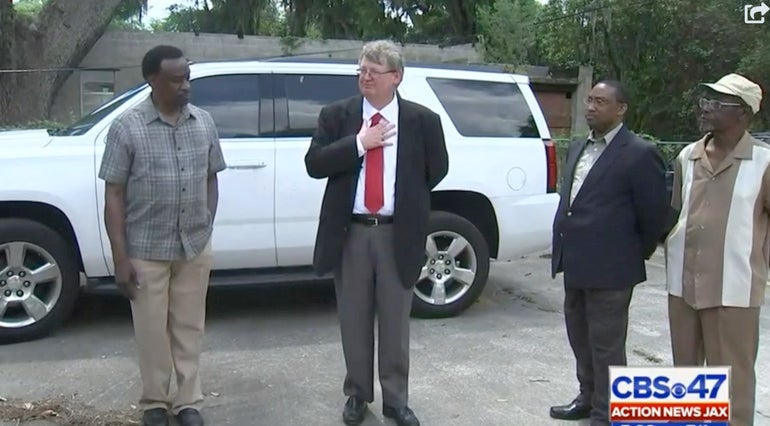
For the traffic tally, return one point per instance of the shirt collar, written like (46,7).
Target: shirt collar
(743,150)
(389,113)
(609,136)
(151,113)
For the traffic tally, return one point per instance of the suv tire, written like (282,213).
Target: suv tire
(26,247)
(467,263)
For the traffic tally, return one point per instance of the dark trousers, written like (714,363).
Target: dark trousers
(597,326)
(367,282)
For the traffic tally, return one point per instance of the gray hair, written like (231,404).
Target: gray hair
(383,52)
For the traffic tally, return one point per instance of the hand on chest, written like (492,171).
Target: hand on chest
(389,127)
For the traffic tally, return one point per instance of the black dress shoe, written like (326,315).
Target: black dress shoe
(403,416)
(354,412)
(155,417)
(189,417)
(575,410)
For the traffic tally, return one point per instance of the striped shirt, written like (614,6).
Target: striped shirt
(165,168)
(717,252)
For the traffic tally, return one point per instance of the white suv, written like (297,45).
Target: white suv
(497,201)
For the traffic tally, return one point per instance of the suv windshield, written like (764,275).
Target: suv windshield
(85,123)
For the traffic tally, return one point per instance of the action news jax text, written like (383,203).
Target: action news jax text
(695,396)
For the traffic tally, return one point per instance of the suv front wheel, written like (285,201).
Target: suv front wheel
(456,267)
(38,280)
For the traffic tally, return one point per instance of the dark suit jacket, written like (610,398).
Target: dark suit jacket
(617,219)
(421,163)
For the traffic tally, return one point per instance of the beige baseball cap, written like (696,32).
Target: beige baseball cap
(740,86)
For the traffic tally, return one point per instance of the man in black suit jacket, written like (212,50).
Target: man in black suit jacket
(382,156)
(610,218)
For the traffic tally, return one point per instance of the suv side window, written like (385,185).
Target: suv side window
(306,94)
(233,102)
(485,108)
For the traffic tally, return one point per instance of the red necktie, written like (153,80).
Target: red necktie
(373,196)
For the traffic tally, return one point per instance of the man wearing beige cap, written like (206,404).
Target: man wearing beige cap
(716,254)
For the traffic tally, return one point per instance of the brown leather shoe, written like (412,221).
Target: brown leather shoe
(575,410)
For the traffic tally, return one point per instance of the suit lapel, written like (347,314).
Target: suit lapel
(611,152)
(404,141)
(604,162)
(354,117)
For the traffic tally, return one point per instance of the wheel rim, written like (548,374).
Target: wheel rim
(30,284)
(450,268)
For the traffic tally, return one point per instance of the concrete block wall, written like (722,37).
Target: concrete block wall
(123,52)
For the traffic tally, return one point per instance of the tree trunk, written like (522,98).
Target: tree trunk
(60,38)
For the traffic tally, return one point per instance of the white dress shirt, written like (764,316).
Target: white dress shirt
(389,114)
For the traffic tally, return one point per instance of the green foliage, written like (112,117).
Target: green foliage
(247,17)
(131,10)
(42,124)
(28,8)
(354,19)
(669,151)
(435,21)
(660,49)
(505,29)
(756,66)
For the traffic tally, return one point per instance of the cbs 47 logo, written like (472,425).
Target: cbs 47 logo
(705,386)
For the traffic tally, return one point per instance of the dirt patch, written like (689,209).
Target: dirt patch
(63,411)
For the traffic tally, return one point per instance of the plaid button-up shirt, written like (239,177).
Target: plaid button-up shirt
(165,168)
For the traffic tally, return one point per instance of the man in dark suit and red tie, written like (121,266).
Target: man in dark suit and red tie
(612,213)
(381,156)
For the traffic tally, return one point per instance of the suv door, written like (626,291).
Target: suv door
(241,106)
(299,99)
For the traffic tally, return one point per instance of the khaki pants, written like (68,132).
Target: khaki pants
(721,336)
(169,313)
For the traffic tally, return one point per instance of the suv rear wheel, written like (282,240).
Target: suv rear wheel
(456,267)
(38,280)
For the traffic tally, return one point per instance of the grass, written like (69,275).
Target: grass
(64,411)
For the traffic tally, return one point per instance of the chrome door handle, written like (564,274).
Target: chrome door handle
(248,166)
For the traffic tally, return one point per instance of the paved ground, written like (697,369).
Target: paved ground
(274,357)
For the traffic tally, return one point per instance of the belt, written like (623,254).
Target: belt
(372,220)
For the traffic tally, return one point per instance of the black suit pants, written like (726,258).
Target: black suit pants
(597,325)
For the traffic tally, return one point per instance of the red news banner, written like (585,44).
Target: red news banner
(672,411)
(669,395)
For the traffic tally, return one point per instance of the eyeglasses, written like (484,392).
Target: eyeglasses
(364,71)
(600,102)
(715,105)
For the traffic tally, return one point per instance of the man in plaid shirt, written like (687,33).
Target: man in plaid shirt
(160,166)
